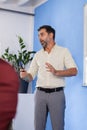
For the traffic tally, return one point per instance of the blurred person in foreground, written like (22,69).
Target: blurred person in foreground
(9,84)
(51,65)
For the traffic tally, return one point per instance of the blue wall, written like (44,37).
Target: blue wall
(66,16)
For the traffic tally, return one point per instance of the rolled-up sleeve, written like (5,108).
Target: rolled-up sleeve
(68,60)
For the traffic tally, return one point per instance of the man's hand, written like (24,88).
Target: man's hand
(50,68)
(26,76)
(23,73)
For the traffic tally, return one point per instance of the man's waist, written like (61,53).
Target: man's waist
(50,90)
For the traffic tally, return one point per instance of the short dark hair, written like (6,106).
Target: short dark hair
(49,29)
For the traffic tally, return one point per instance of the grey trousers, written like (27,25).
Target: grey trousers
(54,103)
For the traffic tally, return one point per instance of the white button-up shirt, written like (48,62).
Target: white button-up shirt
(59,57)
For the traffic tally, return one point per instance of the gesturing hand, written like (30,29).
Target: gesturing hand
(50,68)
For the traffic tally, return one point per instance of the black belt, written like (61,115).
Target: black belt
(50,90)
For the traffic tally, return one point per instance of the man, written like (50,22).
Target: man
(9,85)
(51,64)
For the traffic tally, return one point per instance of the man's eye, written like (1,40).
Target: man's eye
(42,34)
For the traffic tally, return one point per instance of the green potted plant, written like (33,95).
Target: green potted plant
(21,59)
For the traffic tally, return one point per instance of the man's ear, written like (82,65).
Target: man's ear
(51,35)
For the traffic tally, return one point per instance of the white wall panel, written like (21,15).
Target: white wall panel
(13,24)
(24,119)
(85,47)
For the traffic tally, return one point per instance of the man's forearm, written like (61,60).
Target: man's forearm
(66,73)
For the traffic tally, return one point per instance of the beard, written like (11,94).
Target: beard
(44,44)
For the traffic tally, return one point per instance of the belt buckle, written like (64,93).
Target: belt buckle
(55,89)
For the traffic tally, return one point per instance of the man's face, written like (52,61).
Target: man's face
(44,37)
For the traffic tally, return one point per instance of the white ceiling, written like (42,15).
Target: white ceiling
(26,6)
